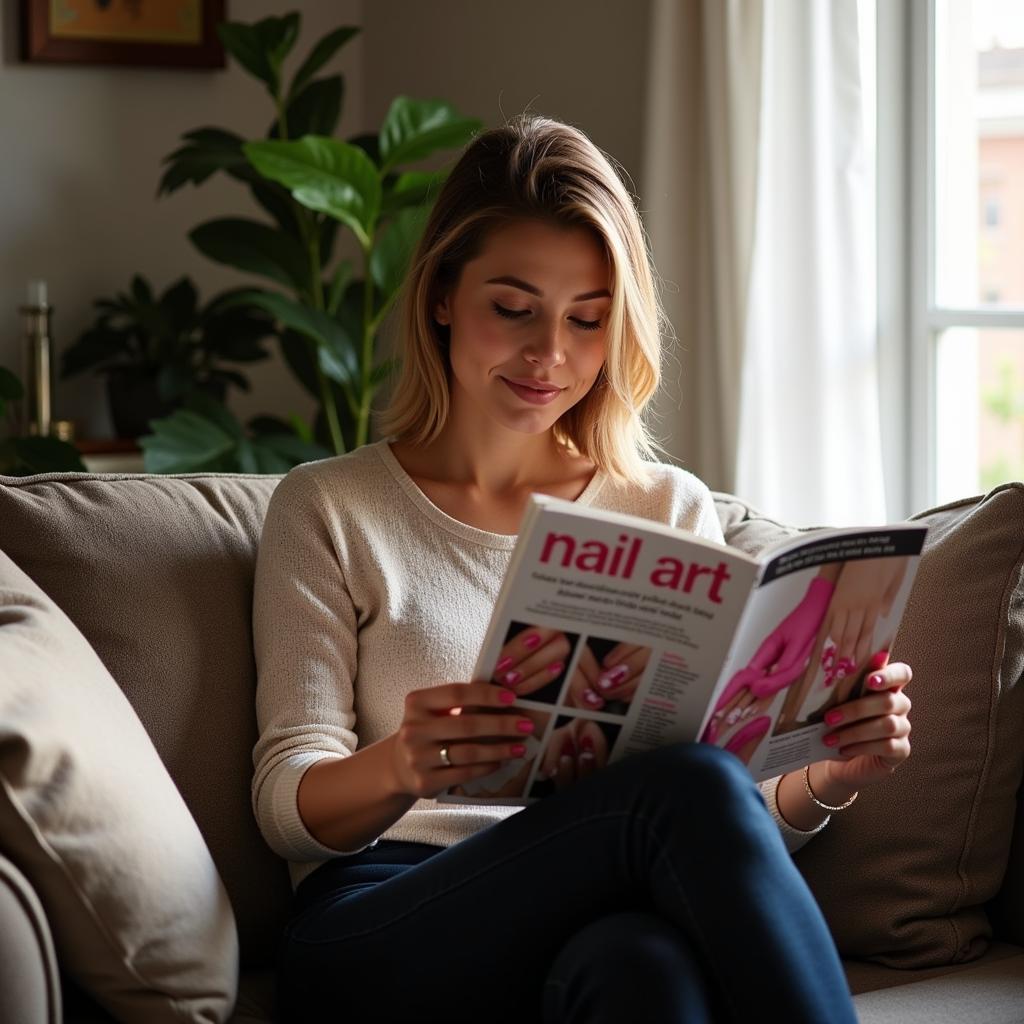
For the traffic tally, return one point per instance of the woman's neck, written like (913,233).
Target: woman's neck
(492,461)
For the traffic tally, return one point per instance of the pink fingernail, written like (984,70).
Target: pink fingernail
(613,676)
(507,697)
(518,749)
(511,678)
(592,698)
(879,659)
(555,667)
(503,664)
(830,740)
(876,682)
(530,641)
(833,717)
(525,725)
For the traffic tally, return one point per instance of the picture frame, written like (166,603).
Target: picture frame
(137,33)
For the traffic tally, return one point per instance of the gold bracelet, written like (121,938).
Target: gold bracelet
(815,800)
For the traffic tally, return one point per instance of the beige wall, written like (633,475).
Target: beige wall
(82,146)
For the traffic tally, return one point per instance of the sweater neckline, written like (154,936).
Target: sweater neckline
(502,541)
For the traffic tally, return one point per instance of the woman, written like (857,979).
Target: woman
(658,888)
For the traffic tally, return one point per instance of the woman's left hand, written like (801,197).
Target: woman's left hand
(872,733)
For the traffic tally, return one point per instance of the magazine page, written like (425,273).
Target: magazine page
(612,630)
(821,619)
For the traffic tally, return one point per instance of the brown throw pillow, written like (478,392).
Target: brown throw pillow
(903,876)
(89,814)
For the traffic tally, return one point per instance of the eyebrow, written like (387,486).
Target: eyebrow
(515,282)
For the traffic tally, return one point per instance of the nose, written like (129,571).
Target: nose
(546,348)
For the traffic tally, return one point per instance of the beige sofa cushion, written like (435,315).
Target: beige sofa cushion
(156,572)
(904,874)
(89,814)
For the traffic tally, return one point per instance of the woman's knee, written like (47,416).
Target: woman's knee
(694,770)
(618,962)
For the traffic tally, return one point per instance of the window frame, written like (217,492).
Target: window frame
(907,232)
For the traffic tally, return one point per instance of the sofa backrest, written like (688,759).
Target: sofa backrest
(156,572)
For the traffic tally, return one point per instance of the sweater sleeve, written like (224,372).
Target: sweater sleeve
(304,641)
(794,838)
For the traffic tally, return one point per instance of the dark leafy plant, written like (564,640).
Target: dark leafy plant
(23,456)
(173,340)
(308,183)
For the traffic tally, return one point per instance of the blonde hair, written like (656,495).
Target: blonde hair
(536,168)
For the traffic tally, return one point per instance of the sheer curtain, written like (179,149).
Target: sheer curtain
(775,311)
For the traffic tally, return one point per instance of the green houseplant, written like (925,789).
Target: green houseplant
(155,351)
(25,455)
(309,184)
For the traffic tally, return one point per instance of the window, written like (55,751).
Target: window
(967,254)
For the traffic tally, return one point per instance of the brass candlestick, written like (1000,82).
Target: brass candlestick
(37,363)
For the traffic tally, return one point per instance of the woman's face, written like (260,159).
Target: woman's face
(528,324)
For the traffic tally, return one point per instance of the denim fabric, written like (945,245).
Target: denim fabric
(658,889)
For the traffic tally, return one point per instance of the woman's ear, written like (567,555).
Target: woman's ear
(441,315)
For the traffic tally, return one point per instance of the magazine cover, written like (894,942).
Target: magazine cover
(619,634)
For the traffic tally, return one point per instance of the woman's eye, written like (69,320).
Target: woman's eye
(516,314)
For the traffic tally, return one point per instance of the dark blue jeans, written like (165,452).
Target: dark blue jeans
(657,889)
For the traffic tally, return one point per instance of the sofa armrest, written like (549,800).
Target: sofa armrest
(29,979)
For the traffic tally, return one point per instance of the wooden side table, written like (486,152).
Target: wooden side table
(110,454)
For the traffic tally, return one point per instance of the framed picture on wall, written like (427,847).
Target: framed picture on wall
(141,33)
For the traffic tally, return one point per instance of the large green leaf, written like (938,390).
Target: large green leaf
(185,442)
(208,150)
(319,56)
(392,249)
(315,111)
(369,143)
(413,129)
(10,386)
(48,455)
(245,44)
(299,353)
(254,247)
(277,453)
(278,36)
(178,305)
(261,47)
(413,188)
(94,348)
(324,174)
(336,354)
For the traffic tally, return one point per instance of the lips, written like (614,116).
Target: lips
(531,382)
(537,392)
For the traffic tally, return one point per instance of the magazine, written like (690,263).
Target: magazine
(620,634)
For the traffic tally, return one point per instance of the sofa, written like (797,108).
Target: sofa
(135,885)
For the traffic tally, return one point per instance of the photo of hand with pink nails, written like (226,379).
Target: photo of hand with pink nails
(576,748)
(533,660)
(864,593)
(606,676)
(781,658)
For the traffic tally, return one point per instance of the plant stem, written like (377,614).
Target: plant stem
(366,364)
(311,238)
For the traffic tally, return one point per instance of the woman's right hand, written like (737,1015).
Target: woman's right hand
(472,720)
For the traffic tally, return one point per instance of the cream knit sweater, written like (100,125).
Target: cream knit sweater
(365,590)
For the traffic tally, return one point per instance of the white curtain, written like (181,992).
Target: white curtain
(700,189)
(776,319)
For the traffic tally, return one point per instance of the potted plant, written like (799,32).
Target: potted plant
(308,183)
(23,456)
(156,351)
